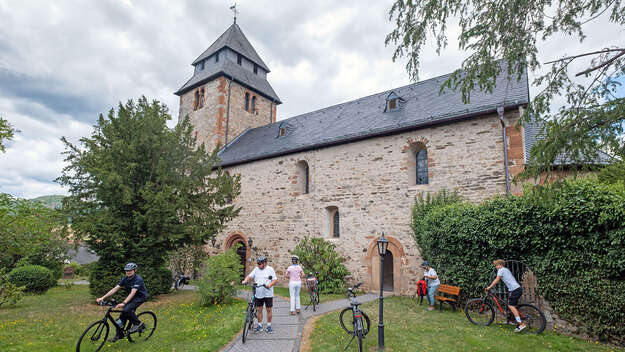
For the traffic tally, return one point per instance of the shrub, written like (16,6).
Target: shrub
(318,255)
(35,278)
(9,292)
(571,234)
(221,274)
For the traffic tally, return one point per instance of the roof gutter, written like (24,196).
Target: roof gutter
(361,137)
(505,149)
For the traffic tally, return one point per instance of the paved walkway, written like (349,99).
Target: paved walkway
(288,328)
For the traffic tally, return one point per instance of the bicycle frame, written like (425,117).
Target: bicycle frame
(503,307)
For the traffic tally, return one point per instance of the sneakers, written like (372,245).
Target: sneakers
(269,330)
(258,329)
(136,327)
(431,308)
(520,327)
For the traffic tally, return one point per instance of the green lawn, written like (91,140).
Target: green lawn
(305,298)
(410,327)
(55,321)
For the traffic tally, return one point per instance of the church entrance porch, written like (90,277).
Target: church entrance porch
(395,271)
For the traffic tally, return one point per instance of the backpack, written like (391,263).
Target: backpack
(422,288)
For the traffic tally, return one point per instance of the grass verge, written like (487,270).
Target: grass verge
(408,326)
(305,298)
(54,322)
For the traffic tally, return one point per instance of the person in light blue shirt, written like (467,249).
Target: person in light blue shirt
(514,290)
(433,282)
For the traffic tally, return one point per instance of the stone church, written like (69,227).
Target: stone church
(350,171)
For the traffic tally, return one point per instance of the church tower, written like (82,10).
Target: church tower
(228,92)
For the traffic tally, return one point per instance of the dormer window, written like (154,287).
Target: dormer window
(201,65)
(393,102)
(282,131)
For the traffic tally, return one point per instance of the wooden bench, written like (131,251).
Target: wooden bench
(451,295)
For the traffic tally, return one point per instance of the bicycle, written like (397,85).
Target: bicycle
(480,311)
(360,321)
(250,313)
(181,280)
(94,337)
(313,291)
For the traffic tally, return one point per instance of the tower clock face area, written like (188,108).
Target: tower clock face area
(228,92)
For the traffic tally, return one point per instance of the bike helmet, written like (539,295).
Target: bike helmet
(130,266)
(261,259)
(425,263)
(294,258)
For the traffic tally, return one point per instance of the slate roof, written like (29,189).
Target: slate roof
(237,73)
(365,118)
(233,38)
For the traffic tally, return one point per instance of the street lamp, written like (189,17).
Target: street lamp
(382,246)
(249,242)
(213,240)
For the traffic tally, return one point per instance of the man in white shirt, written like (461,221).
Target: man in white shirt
(433,282)
(514,290)
(264,277)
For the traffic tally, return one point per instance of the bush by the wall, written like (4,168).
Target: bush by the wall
(572,234)
(220,277)
(36,278)
(318,255)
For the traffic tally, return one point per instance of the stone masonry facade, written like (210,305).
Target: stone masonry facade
(370,182)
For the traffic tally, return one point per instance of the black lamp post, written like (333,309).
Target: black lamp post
(213,241)
(249,242)
(382,246)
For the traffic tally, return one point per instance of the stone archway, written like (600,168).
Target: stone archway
(244,251)
(399,270)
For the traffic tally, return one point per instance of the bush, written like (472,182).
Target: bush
(35,278)
(9,292)
(86,269)
(571,234)
(318,255)
(220,276)
(103,277)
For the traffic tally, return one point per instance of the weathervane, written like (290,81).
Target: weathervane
(234,9)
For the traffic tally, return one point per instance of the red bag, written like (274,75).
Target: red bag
(422,288)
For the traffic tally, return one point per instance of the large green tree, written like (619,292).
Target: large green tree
(592,118)
(6,133)
(139,190)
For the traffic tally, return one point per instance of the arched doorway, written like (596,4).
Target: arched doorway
(239,241)
(389,281)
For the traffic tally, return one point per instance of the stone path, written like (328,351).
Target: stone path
(288,328)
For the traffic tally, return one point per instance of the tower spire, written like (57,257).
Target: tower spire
(234,9)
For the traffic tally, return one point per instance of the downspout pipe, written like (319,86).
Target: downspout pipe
(228,112)
(505,149)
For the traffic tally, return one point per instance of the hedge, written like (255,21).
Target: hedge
(572,234)
(35,278)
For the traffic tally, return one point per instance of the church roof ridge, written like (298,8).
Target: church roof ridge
(235,39)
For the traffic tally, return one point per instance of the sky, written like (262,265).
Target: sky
(62,63)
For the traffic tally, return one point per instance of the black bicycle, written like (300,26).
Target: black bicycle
(181,280)
(250,313)
(480,311)
(95,335)
(313,291)
(360,322)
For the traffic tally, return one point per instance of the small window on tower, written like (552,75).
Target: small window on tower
(247,101)
(239,59)
(201,65)
(253,104)
(255,69)
(217,57)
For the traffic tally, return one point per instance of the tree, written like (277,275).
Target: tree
(6,133)
(31,234)
(139,190)
(591,121)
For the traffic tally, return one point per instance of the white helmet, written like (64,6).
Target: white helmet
(294,258)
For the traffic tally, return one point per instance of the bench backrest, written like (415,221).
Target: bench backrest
(451,290)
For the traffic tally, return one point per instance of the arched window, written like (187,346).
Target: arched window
(303,177)
(247,101)
(422,167)
(253,104)
(336,233)
(201,103)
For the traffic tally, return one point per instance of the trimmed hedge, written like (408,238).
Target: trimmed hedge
(572,234)
(36,278)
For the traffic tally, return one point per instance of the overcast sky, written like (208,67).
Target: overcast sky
(64,62)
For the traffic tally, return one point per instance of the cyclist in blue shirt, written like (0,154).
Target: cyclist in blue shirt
(137,294)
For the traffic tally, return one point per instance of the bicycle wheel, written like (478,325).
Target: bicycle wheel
(247,324)
(347,321)
(93,338)
(149,320)
(313,301)
(533,318)
(179,284)
(479,312)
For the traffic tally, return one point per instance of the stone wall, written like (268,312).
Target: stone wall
(211,120)
(369,182)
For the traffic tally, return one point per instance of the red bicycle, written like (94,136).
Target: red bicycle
(480,311)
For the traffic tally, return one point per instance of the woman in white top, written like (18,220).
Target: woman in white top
(433,282)
(295,273)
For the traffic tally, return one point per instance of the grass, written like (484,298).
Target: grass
(410,327)
(55,321)
(305,298)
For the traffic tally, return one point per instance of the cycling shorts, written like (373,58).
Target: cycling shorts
(267,302)
(513,299)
